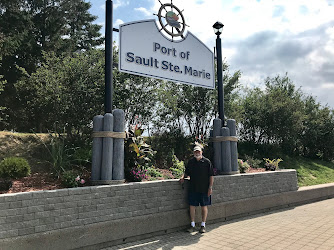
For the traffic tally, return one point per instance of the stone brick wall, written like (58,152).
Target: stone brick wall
(243,186)
(24,214)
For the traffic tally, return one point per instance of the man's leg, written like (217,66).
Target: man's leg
(204,216)
(204,213)
(192,213)
(192,218)
(193,202)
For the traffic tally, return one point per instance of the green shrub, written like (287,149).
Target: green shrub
(252,162)
(58,152)
(271,164)
(71,179)
(68,179)
(177,168)
(153,172)
(14,167)
(169,143)
(243,166)
(82,156)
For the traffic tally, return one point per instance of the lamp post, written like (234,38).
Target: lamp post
(218,28)
(108,58)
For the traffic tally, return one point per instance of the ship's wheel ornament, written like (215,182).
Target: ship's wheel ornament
(171,19)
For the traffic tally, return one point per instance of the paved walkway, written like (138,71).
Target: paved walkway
(305,227)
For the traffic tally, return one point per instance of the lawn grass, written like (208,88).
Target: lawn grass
(310,171)
(26,145)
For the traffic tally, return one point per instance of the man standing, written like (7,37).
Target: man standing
(200,171)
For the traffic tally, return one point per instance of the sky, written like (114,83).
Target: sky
(261,38)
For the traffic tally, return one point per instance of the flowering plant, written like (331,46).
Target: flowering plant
(138,154)
(243,166)
(137,175)
(79,180)
(71,179)
(272,164)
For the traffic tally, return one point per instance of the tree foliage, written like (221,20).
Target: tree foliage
(273,115)
(194,107)
(317,136)
(2,84)
(29,28)
(69,90)
(284,117)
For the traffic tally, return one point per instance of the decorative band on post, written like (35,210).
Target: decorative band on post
(118,135)
(224,138)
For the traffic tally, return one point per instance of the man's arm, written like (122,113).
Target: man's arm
(182,177)
(185,174)
(210,185)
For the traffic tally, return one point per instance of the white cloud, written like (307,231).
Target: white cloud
(330,43)
(118,22)
(329,86)
(120,3)
(144,11)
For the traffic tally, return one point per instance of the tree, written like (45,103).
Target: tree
(31,27)
(285,105)
(2,84)
(283,117)
(253,128)
(193,108)
(65,90)
(69,90)
(317,137)
(273,116)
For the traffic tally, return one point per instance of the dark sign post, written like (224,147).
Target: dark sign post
(108,58)
(218,28)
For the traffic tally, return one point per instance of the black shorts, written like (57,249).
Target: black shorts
(196,199)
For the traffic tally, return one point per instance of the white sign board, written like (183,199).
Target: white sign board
(147,52)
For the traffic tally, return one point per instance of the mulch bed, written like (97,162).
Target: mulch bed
(255,170)
(34,182)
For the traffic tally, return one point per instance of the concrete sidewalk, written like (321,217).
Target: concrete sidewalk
(309,226)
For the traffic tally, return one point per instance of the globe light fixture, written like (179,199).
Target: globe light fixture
(218,28)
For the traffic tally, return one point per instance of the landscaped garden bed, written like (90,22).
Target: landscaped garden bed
(43,176)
